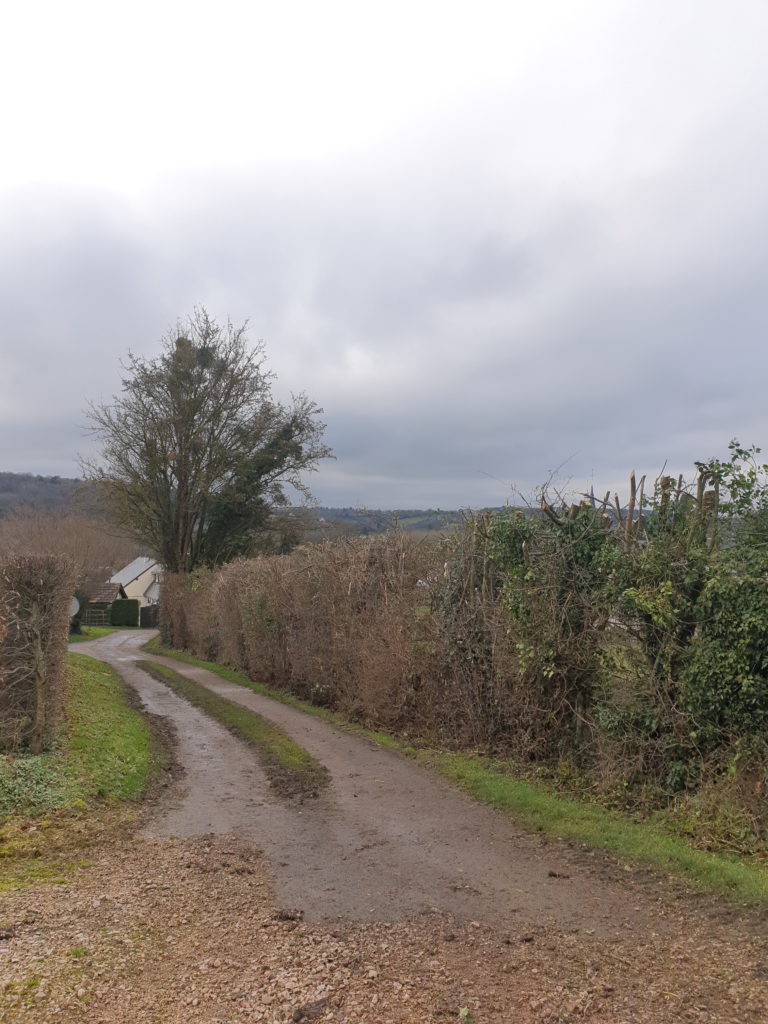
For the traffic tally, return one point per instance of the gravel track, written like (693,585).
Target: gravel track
(187,931)
(392,899)
(385,840)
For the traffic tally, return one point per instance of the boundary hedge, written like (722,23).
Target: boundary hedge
(34,623)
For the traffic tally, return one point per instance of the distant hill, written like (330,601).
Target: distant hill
(56,493)
(339,521)
(51,493)
(367,521)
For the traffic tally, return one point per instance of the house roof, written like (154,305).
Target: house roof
(106,593)
(133,570)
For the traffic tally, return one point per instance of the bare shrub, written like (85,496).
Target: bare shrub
(353,639)
(619,646)
(444,638)
(334,623)
(175,598)
(95,549)
(34,596)
(395,631)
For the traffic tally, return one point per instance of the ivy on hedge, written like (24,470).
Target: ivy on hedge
(725,686)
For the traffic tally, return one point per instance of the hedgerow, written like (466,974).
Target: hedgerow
(617,646)
(35,591)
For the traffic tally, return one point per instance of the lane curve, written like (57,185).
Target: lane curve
(386,840)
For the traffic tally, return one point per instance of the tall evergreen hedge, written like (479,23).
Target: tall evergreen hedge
(125,612)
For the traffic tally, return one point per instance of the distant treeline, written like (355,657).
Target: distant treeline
(65,494)
(48,493)
(364,521)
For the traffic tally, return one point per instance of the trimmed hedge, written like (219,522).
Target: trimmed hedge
(125,612)
(35,591)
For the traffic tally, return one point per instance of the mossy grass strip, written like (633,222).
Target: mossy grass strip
(540,809)
(232,675)
(103,751)
(108,743)
(291,770)
(54,804)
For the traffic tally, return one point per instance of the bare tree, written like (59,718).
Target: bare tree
(196,452)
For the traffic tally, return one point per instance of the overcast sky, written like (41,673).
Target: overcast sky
(490,239)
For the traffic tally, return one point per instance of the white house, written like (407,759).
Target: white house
(141,580)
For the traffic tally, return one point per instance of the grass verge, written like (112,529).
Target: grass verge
(290,769)
(104,758)
(95,632)
(540,809)
(232,675)
(90,633)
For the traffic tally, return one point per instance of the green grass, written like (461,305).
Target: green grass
(90,633)
(540,809)
(232,675)
(103,749)
(95,632)
(108,743)
(290,768)
(104,756)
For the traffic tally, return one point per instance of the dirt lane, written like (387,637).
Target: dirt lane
(178,927)
(222,786)
(186,931)
(386,840)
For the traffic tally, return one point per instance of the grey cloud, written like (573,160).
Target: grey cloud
(463,330)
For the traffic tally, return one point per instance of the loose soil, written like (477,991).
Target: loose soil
(389,898)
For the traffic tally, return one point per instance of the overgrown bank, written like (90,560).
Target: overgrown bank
(104,755)
(539,807)
(616,648)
